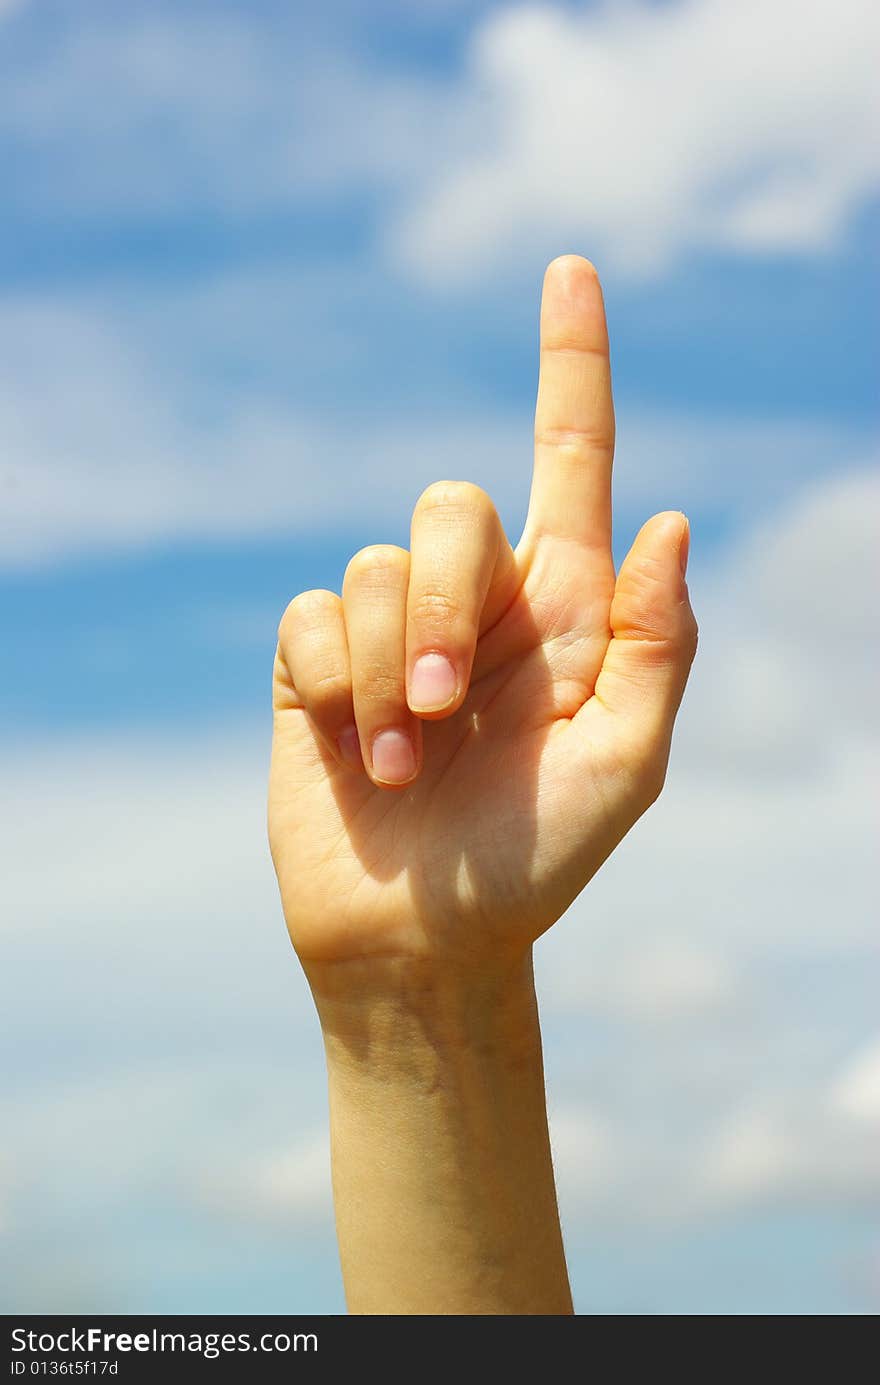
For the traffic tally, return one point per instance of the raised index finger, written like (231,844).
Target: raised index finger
(574,416)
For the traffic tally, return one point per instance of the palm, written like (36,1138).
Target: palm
(491,836)
(559,743)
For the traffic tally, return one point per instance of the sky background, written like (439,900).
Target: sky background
(267,270)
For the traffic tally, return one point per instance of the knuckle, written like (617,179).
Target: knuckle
(694,636)
(328,691)
(649,772)
(453,495)
(376,562)
(684,641)
(307,609)
(380,685)
(575,443)
(433,608)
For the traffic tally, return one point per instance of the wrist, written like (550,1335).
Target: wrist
(398,1015)
(442,1175)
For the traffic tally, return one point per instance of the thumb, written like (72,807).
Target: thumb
(654,633)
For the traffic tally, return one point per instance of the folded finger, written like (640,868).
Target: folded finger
(313,647)
(462,570)
(374,603)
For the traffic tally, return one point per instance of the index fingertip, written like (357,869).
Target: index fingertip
(575,266)
(572,305)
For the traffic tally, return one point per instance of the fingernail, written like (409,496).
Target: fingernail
(350,747)
(684,546)
(433,684)
(394,760)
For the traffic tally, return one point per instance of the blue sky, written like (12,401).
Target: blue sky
(265,273)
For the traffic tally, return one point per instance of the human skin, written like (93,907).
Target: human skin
(414,884)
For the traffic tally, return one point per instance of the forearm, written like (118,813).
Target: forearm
(442,1176)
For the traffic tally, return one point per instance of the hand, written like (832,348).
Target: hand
(478,796)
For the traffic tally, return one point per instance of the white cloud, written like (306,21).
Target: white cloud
(649,132)
(102,453)
(215,112)
(145,1122)
(856,1092)
(655,981)
(797,1148)
(96,1160)
(99,454)
(292,1183)
(142,809)
(643,132)
(786,1143)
